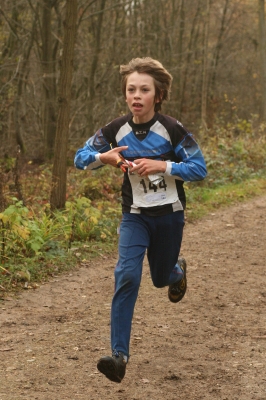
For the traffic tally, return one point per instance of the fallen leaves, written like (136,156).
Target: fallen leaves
(6,349)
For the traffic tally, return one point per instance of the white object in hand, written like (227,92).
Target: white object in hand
(154,179)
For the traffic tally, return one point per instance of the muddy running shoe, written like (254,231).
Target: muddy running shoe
(177,290)
(114,368)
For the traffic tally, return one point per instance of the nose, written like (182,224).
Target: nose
(137,94)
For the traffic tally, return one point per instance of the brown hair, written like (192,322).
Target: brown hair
(162,78)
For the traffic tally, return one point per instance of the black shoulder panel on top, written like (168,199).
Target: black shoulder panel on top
(110,130)
(176,130)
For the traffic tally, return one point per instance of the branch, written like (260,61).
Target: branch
(106,9)
(9,23)
(14,23)
(13,77)
(84,10)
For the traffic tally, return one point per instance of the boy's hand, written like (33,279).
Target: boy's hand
(112,157)
(146,166)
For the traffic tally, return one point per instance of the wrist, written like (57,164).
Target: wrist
(99,157)
(163,166)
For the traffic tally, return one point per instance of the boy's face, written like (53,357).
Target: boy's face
(140,96)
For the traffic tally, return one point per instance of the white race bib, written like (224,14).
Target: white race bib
(146,194)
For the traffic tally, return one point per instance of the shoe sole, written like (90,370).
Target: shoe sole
(182,285)
(108,368)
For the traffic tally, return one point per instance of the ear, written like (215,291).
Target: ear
(158,99)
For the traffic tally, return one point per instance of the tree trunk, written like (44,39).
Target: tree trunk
(188,61)
(94,65)
(49,90)
(204,90)
(21,77)
(218,47)
(180,55)
(213,104)
(59,175)
(262,42)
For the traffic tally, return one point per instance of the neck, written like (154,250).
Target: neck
(142,120)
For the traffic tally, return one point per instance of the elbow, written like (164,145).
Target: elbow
(201,174)
(79,163)
(198,174)
(78,166)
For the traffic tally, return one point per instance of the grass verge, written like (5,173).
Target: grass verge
(203,200)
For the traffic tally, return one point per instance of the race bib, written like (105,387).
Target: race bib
(146,194)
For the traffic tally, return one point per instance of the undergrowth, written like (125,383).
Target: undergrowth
(35,244)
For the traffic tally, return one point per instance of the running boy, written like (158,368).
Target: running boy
(157,154)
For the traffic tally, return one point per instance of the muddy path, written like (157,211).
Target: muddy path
(212,345)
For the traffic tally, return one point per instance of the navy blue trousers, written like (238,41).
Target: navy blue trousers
(161,237)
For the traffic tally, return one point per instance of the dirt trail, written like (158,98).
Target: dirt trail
(212,345)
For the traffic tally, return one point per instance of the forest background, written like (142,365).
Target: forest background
(59,82)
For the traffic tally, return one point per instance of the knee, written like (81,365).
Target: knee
(160,280)
(126,279)
(159,285)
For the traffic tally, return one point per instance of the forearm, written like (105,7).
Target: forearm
(89,155)
(192,166)
(193,170)
(92,158)
(87,158)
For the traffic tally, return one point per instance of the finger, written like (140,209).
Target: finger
(135,168)
(121,148)
(138,161)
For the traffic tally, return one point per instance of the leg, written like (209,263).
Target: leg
(134,239)
(163,252)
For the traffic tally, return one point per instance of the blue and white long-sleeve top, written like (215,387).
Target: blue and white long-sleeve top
(163,138)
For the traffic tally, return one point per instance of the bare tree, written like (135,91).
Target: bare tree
(49,83)
(188,59)
(58,191)
(204,90)
(180,48)
(97,31)
(23,72)
(262,44)
(218,47)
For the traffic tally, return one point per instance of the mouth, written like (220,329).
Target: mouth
(137,105)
